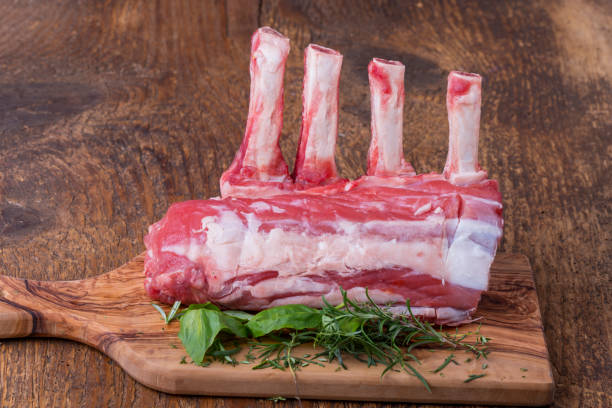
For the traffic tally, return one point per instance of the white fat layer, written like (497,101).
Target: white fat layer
(232,248)
(260,206)
(294,253)
(467,262)
(278,210)
(447,315)
(486,201)
(258,190)
(423,209)
(271,287)
(466,178)
(333,296)
(224,237)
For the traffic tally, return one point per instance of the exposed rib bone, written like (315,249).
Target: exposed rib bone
(386,154)
(463,104)
(259,157)
(315,162)
(278,242)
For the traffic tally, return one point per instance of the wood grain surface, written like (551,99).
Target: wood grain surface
(112,110)
(112,313)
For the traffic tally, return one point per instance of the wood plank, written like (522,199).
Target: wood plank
(112,110)
(112,313)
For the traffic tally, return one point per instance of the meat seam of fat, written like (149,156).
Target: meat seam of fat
(240,250)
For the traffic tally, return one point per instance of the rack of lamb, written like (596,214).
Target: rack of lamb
(275,238)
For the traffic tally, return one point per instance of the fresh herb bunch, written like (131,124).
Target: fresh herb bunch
(365,331)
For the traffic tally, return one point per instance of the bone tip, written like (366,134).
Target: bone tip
(380,69)
(460,83)
(389,64)
(271,32)
(468,76)
(323,51)
(269,35)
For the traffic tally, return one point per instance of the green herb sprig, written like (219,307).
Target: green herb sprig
(473,377)
(366,331)
(172,314)
(448,360)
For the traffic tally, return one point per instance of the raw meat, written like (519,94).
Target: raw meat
(274,239)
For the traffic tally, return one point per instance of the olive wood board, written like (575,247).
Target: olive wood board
(112,313)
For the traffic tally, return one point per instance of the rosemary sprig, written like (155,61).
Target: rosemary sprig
(445,363)
(172,314)
(366,331)
(473,377)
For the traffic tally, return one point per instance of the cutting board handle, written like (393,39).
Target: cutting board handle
(40,308)
(16,320)
(82,310)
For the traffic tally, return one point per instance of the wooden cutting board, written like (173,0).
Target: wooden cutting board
(112,313)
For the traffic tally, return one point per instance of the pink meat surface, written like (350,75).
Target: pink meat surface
(275,239)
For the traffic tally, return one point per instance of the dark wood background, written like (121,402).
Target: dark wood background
(112,110)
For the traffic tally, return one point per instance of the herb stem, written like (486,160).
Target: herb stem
(445,363)
(366,331)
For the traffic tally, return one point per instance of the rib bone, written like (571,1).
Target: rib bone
(259,158)
(463,104)
(386,154)
(385,237)
(315,164)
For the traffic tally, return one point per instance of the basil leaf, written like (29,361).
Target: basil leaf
(200,327)
(350,325)
(344,324)
(206,305)
(284,317)
(239,314)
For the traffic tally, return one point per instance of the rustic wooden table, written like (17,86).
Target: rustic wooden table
(110,111)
